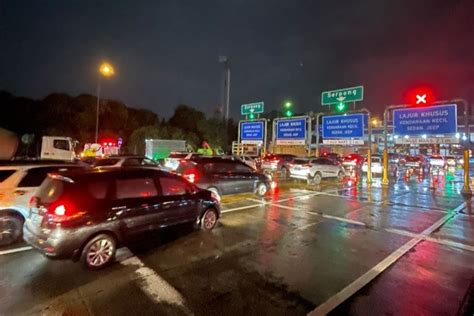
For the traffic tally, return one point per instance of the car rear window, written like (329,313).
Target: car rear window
(35,176)
(300,161)
(5,174)
(106,162)
(50,190)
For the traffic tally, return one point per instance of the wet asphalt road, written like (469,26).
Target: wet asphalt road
(405,250)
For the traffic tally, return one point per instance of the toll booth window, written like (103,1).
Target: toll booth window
(61,144)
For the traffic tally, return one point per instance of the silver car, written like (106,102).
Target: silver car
(324,168)
(18,183)
(299,168)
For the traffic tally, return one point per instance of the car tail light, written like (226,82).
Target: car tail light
(191,175)
(62,212)
(32,202)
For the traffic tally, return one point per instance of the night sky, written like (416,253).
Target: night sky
(166,52)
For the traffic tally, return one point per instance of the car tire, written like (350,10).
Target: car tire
(261,190)
(314,180)
(209,219)
(99,252)
(11,229)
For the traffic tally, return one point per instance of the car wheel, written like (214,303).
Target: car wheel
(11,228)
(209,219)
(261,190)
(314,180)
(99,252)
(284,173)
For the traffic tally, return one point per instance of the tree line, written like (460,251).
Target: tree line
(60,114)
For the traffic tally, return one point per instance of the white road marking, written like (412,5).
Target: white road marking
(342,219)
(367,277)
(445,242)
(337,218)
(154,286)
(307,226)
(14,250)
(240,208)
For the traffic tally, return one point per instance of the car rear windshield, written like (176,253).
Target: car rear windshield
(50,190)
(106,162)
(300,161)
(5,174)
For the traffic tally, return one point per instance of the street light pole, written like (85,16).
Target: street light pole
(106,70)
(97,112)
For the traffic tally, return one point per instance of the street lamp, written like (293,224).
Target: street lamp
(375,122)
(105,70)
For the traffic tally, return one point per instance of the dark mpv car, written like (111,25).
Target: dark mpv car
(224,176)
(85,215)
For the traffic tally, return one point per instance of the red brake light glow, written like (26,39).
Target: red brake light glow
(60,210)
(191,175)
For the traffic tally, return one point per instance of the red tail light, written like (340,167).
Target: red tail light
(191,175)
(62,212)
(32,202)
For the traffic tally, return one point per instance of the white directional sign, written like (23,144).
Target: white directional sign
(426,140)
(343,141)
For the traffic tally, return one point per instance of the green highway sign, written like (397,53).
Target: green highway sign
(342,95)
(251,108)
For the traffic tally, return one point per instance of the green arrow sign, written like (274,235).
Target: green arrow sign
(254,108)
(342,95)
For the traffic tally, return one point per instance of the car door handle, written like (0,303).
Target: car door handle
(117,208)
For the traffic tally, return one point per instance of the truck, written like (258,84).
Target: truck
(158,149)
(46,148)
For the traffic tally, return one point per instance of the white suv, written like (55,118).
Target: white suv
(324,168)
(18,184)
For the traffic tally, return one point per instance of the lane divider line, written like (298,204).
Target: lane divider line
(154,286)
(10,251)
(367,277)
(304,227)
(445,242)
(240,208)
